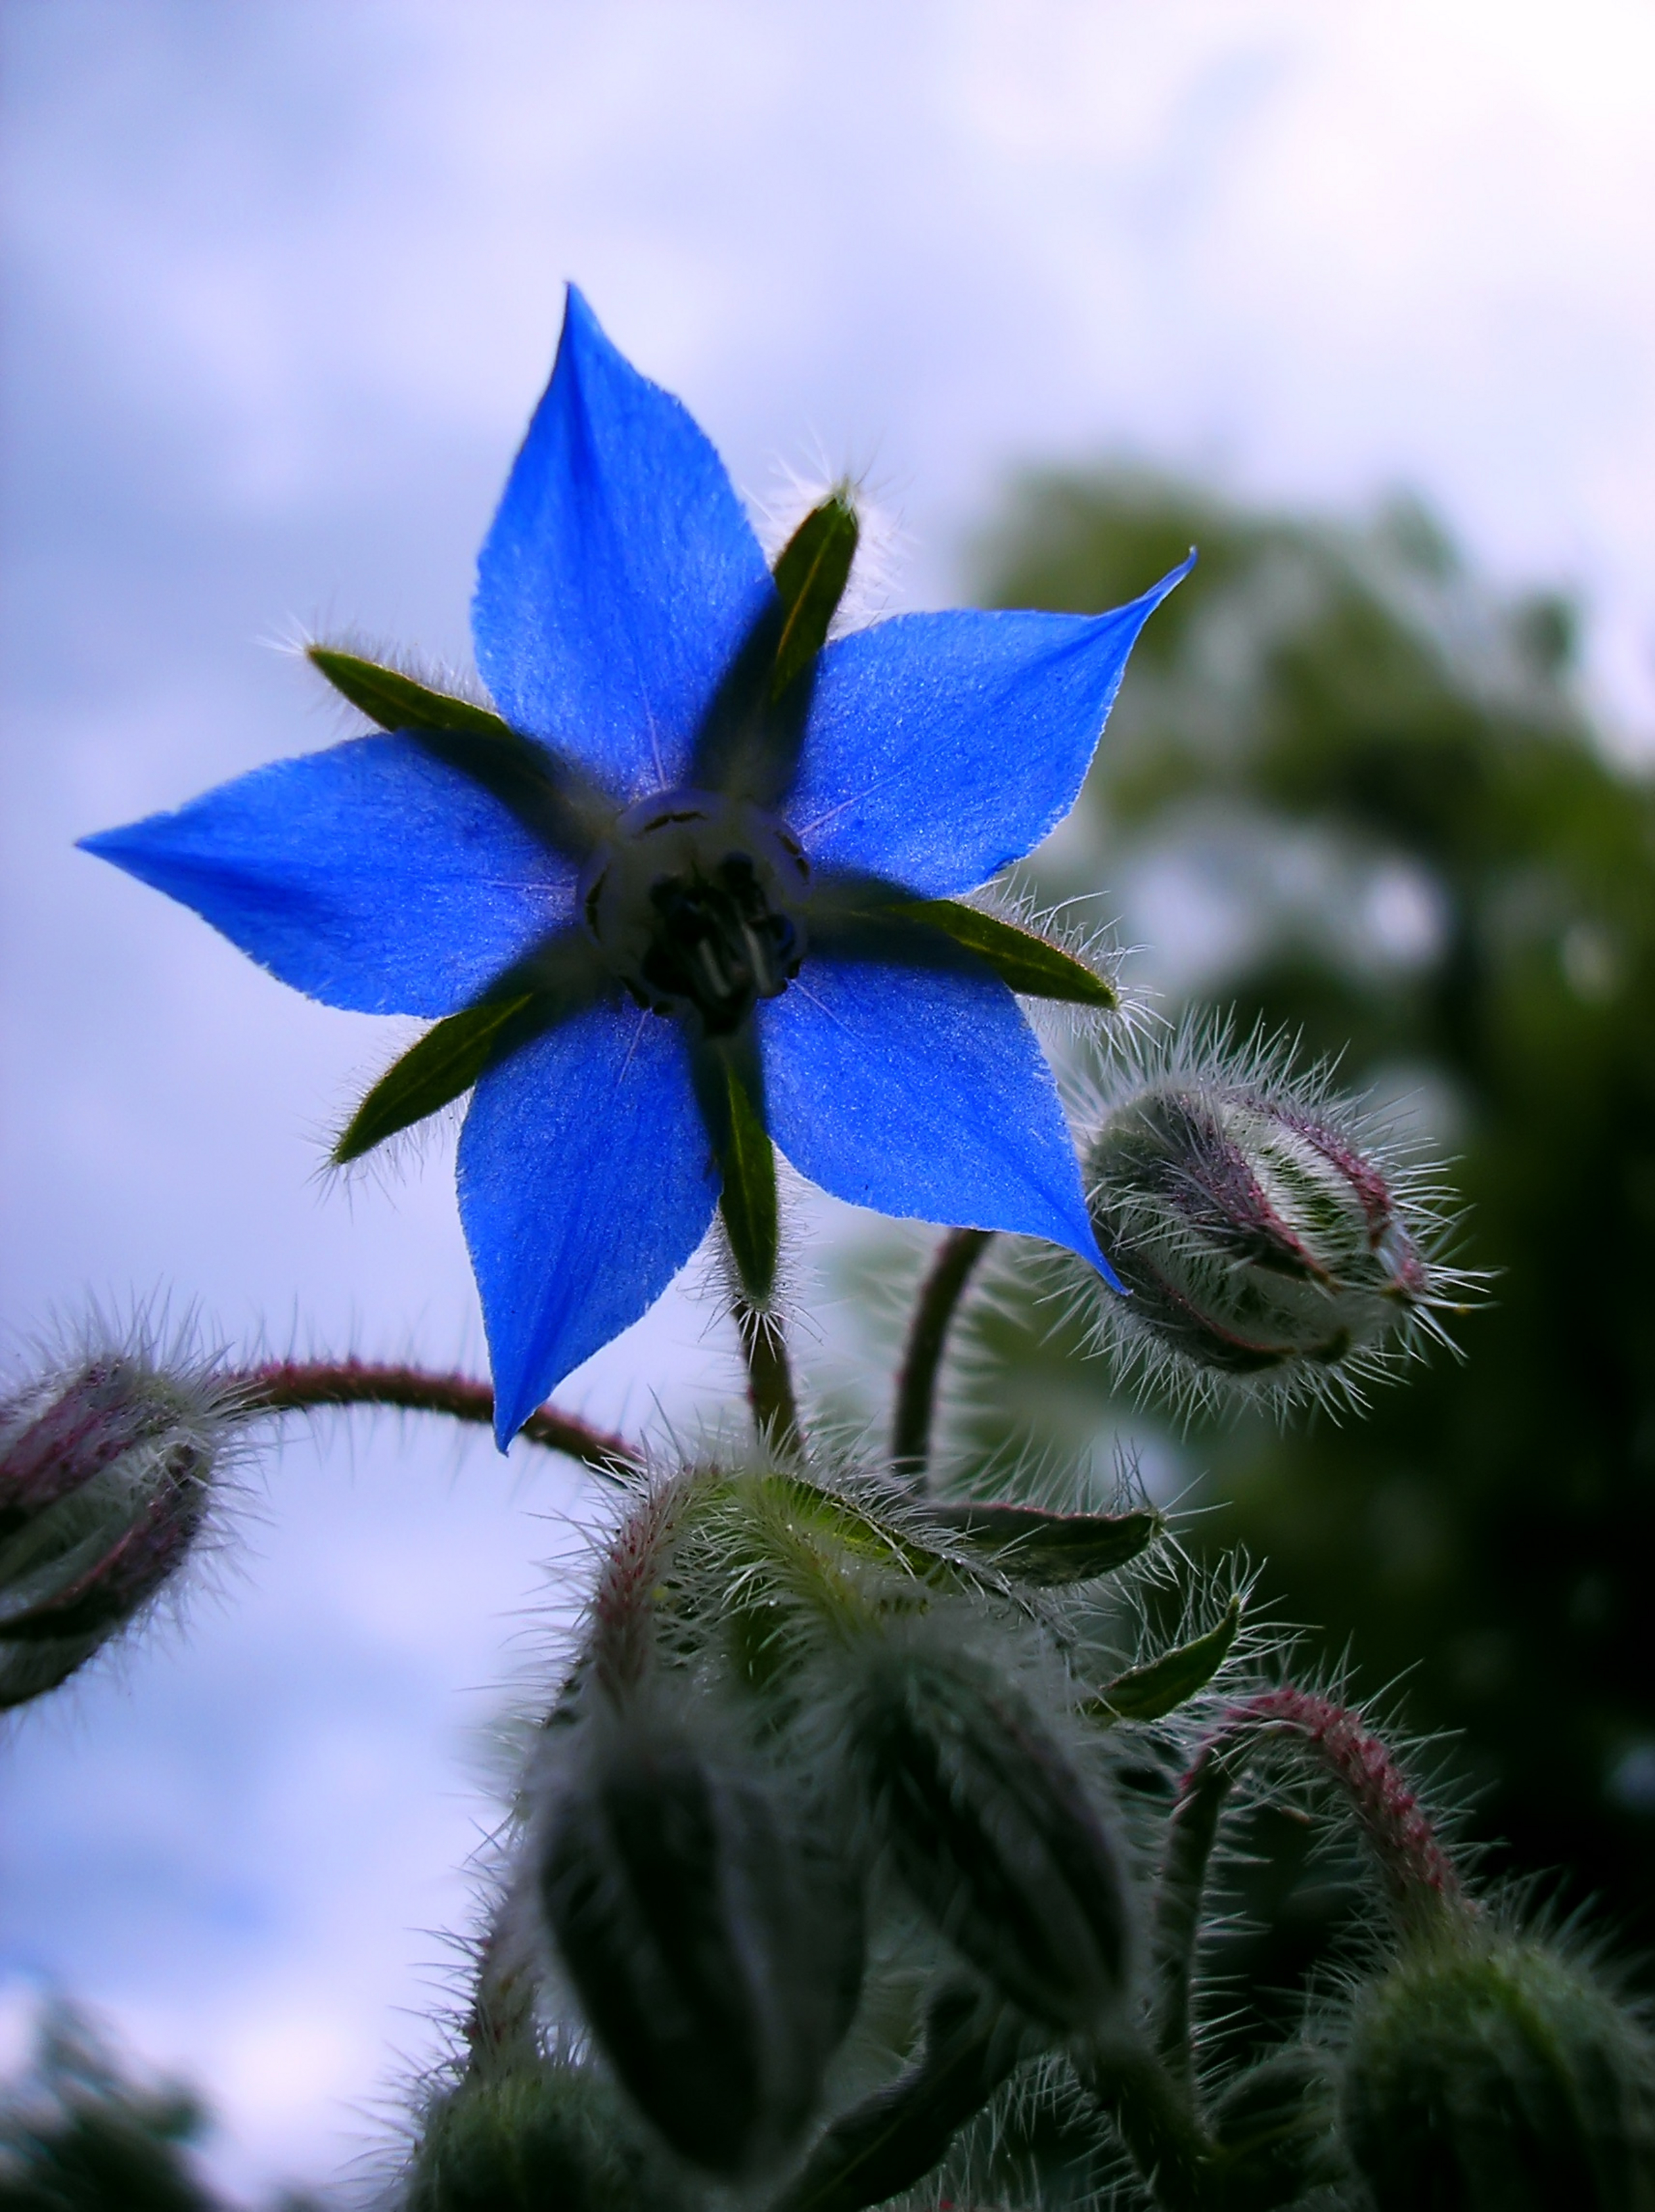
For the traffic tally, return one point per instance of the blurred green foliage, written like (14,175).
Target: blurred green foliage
(1351,790)
(79,2135)
(81,2132)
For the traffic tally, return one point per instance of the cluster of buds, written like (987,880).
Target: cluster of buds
(785,1756)
(107,1471)
(1274,1245)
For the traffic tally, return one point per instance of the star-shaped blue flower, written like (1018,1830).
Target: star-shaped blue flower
(694,883)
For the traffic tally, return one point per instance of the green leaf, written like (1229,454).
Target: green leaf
(747,1159)
(1027,963)
(1147,1693)
(811,571)
(446,1060)
(1050,1548)
(397,701)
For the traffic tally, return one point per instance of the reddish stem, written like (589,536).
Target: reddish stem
(283,1386)
(1412,1865)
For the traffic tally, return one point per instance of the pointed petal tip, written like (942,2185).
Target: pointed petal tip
(1151,599)
(508,1420)
(124,848)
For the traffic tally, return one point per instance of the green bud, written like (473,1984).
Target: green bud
(994,1831)
(1268,1241)
(1490,2074)
(715,1951)
(533,2138)
(105,1479)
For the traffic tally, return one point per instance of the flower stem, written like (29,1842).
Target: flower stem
(1421,1884)
(1157,2121)
(769,1378)
(284,1385)
(501,2014)
(1191,1835)
(927,1335)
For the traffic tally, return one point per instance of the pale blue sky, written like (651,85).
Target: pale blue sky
(282,283)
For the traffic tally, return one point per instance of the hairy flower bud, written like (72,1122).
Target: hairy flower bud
(1490,2074)
(717,1951)
(994,1832)
(528,2137)
(1268,1240)
(105,1479)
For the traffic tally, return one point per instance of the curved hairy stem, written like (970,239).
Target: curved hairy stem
(1422,1885)
(285,1386)
(927,1335)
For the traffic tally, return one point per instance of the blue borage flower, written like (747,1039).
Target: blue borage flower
(689,806)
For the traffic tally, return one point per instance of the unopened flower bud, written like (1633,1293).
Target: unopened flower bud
(1491,2075)
(105,1479)
(717,1951)
(1268,1240)
(994,1831)
(529,2137)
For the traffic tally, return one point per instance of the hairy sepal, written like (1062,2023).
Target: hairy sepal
(1149,1692)
(1030,964)
(811,573)
(1050,1549)
(558,979)
(751,1217)
(397,701)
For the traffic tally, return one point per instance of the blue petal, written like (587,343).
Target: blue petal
(620,575)
(941,747)
(925,1095)
(586,1181)
(370,876)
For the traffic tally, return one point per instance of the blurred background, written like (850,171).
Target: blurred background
(1357,300)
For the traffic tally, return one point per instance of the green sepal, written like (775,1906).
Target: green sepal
(746,1159)
(811,573)
(1028,963)
(1049,1548)
(397,701)
(548,796)
(446,1060)
(1148,1694)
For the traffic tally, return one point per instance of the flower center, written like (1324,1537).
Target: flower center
(697,904)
